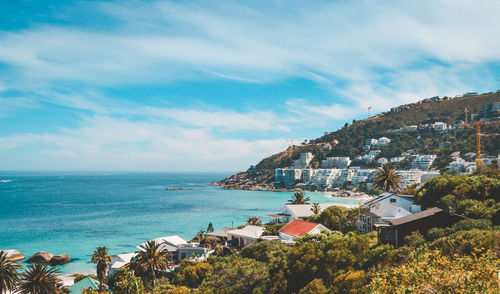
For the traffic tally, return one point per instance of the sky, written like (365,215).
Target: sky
(219,85)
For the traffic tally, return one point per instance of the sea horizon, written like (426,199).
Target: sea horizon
(75,213)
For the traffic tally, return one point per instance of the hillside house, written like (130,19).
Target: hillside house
(239,238)
(403,201)
(299,228)
(291,212)
(178,248)
(394,231)
(367,219)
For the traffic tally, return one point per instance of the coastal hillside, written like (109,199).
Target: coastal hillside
(350,139)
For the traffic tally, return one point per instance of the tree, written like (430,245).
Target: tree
(254,221)
(298,198)
(125,282)
(315,208)
(39,279)
(153,259)
(236,274)
(210,228)
(387,178)
(101,258)
(9,277)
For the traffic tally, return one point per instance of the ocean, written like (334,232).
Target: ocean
(75,212)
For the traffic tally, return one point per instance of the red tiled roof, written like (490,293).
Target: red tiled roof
(298,228)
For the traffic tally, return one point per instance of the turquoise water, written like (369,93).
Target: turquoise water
(76,212)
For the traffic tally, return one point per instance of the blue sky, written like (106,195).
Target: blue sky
(218,85)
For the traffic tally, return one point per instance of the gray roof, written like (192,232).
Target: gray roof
(220,233)
(385,196)
(416,216)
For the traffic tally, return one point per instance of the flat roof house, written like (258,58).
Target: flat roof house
(299,228)
(240,238)
(178,248)
(296,211)
(394,231)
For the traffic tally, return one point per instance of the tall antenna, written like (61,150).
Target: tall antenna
(369,111)
(466,111)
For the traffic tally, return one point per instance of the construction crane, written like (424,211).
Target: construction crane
(478,125)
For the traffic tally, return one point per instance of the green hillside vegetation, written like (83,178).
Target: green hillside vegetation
(348,140)
(462,258)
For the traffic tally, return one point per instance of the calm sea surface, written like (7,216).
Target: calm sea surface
(76,212)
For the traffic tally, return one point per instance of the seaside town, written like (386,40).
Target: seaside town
(385,218)
(249,147)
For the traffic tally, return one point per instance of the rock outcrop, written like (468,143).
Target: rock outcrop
(41,257)
(13,254)
(59,259)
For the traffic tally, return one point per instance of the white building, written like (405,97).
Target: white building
(307,174)
(404,201)
(178,248)
(371,141)
(287,176)
(385,212)
(240,238)
(297,211)
(368,158)
(337,162)
(440,126)
(374,152)
(119,261)
(409,128)
(410,177)
(397,159)
(325,177)
(361,176)
(460,166)
(345,175)
(422,162)
(303,161)
(383,141)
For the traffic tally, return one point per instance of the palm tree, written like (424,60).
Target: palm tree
(102,259)
(387,178)
(39,279)
(315,208)
(153,259)
(9,278)
(298,198)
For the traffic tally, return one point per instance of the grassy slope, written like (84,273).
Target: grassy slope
(352,137)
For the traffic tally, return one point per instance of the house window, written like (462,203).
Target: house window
(393,200)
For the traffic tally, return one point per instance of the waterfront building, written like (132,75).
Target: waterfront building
(299,228)
(303,161)
(325,177)
(361,176)
(345,175)
(287,176)
(119,261)
(337,162)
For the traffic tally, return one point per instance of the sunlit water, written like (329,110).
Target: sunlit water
(76,212)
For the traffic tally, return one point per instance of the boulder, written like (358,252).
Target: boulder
(40,257)
(59,259)
(13,254)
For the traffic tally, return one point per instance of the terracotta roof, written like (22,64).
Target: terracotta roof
(298,228)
